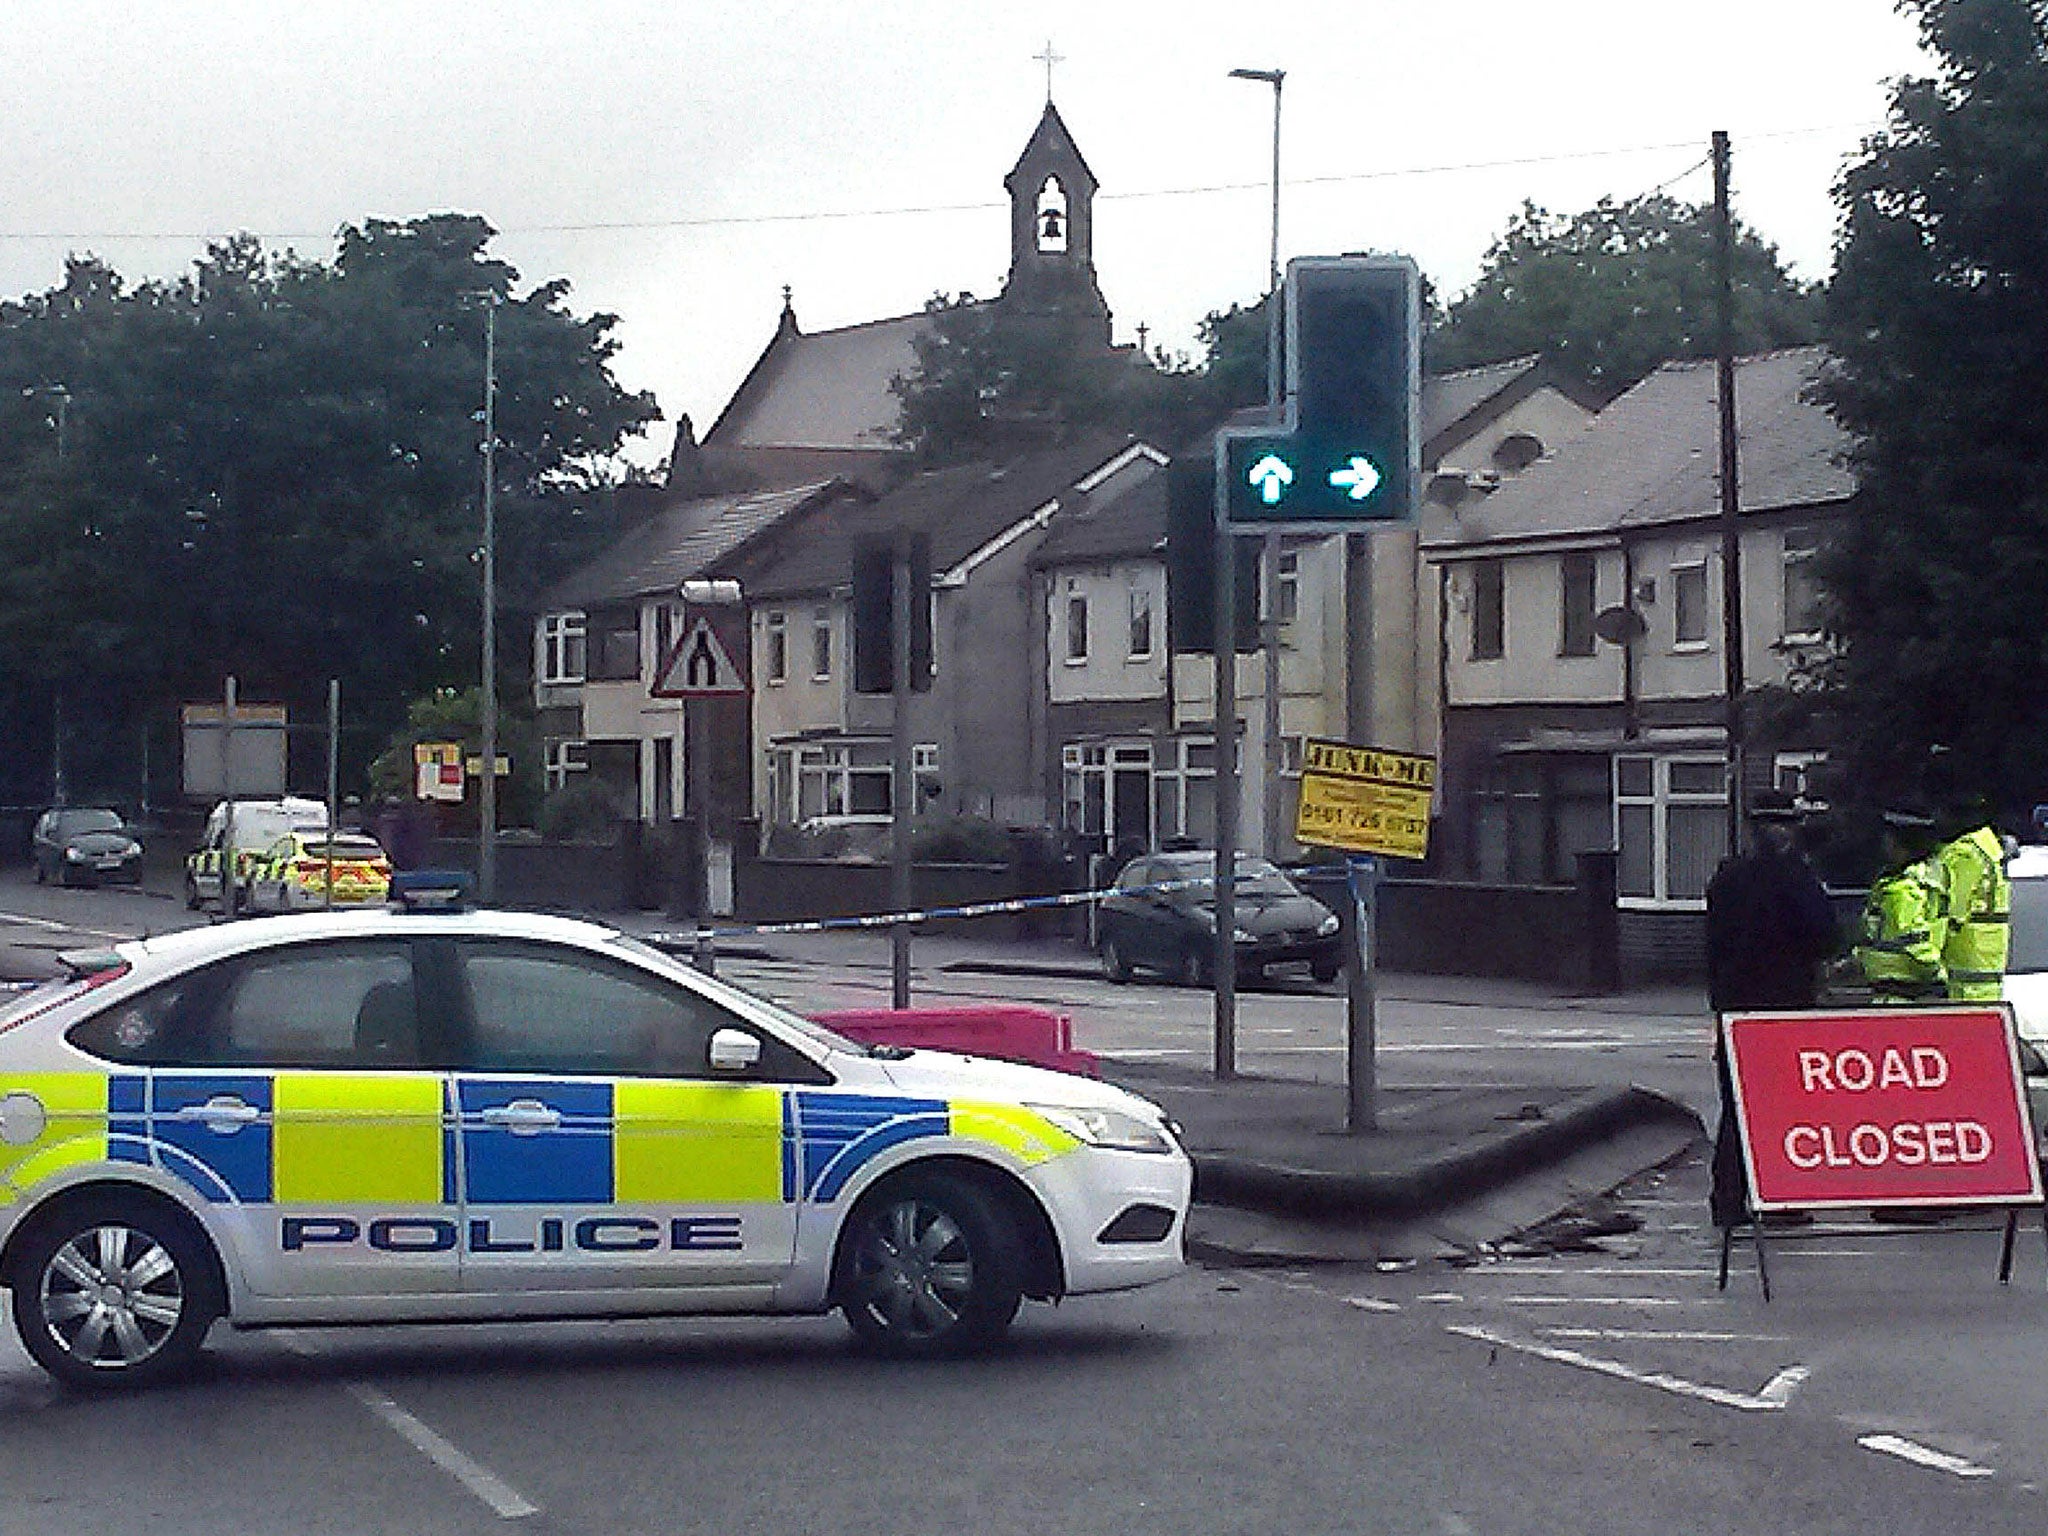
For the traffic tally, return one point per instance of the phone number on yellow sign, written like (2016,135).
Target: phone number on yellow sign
(1363,817)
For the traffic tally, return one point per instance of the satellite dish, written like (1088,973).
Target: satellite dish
(1618,626)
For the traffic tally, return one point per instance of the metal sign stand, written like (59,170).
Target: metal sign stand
(1361,1023)
(1753,1225)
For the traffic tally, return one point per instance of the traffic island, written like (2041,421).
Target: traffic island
(1450,1170)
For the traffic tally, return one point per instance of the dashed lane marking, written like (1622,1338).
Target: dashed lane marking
(1664,1336)
(1601,1301)
(503,1500)
(1922,1455)
(53,926)
(1772,1397)
(1372,1304)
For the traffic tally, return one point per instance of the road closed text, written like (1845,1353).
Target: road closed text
(1913,1106)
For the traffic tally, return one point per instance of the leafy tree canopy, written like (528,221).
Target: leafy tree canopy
(1938,316)
(1611,293)
(991,380)
(270,466)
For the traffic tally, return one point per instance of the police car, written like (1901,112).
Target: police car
(292,874)
(403,1115)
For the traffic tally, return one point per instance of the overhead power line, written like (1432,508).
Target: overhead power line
(917,210)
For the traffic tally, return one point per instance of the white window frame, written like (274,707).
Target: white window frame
(1660,800)
(775,643)
(1141,614)
(561,636)
(1704,640)
(1791,557)
(821,645)
(1792,774)
(1076,651)
(562,756)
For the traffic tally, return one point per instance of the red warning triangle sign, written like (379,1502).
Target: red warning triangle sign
(698,666)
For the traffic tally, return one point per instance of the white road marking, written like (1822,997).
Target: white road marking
(1601,1301)
(1921,1455)
(56,927)
(1442,1298)
(1454,1525)
(1776,1393)
(1530,1267)
(1664,1336)
(1373,1304)
(504,1500)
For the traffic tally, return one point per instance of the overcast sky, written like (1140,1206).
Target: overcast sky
(680,163)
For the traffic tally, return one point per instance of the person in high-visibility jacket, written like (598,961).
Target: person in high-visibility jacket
(1905,918)
(1977,896)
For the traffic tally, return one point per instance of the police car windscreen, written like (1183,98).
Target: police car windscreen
(2029,927)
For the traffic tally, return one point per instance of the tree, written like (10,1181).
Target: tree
(270,467)
(1610,293)
(1938,319)
(991,381)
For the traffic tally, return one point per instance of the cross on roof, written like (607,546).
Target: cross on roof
(1048,59)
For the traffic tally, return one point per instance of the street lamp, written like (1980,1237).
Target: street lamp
(487,789)
(1269,637)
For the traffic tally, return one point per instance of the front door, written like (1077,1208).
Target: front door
(597,1152)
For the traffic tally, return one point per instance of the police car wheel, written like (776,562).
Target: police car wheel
(112,1291)
(929,1265)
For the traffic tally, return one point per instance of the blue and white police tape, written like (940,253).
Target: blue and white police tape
(966,909)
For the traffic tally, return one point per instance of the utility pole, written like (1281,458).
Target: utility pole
(1731,534)
(487,790)
(902,789)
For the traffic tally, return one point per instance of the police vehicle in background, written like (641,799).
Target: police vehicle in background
(403,1115)
(258,825)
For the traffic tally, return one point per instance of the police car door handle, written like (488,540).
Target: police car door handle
(223,1112)
(523,1116)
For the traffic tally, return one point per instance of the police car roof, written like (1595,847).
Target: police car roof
(2030,863)
(193,946)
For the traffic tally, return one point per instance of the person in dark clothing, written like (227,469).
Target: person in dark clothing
(1769,928)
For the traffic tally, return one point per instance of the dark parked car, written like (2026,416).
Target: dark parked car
(1154,920)
(77,846)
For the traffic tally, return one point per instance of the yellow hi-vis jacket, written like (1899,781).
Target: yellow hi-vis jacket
(1978,901)
(1905,925)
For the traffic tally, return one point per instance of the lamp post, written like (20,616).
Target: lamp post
(1269,629)
(487,787)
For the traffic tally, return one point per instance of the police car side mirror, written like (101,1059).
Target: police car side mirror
(734,1050)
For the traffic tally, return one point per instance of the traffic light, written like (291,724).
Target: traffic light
(1191,562)
(874,600)
(1350,452)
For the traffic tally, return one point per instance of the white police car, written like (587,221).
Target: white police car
(391,1116)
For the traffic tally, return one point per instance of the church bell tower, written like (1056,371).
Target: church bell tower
(1052,228)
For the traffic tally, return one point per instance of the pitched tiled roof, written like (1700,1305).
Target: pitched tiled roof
(679,542)
(960,509)
(1652,457)
(1131,522)
(825,390)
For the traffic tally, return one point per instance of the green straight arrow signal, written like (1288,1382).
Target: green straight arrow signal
(1271,475)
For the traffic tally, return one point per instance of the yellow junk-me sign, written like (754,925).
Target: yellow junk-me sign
(1364,800)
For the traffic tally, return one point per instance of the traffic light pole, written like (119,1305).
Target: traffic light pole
(1223,960)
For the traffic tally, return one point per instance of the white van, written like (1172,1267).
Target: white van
(258,825)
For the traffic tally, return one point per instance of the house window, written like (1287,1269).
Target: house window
(1077,628)
(1489,611)
(1798,774)
(562,649)
(777,630)
(830,779)
(1689,606)
(1576,575)
(1802,588)
(1141,620)
(821,645)
(615,646)
(1671,825)
(1184,789)
(560,758)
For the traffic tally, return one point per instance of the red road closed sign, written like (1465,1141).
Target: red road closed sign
(1889,1106)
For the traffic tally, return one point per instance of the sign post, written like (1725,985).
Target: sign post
(1882,1108)
(1372,804)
